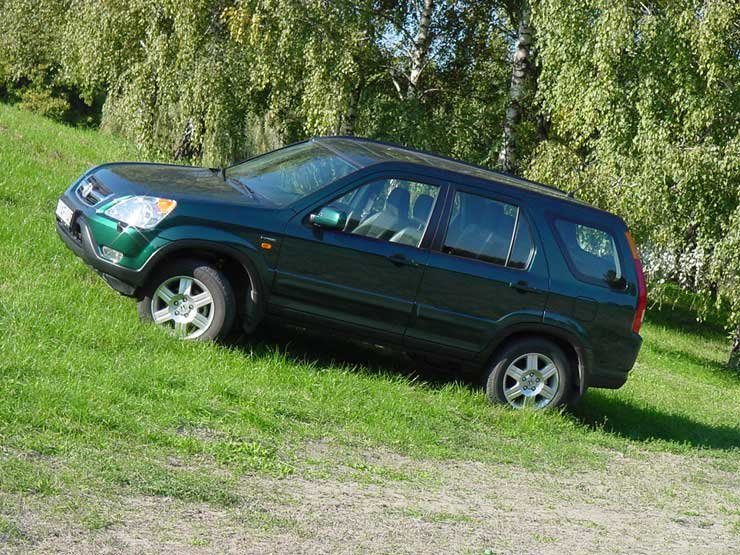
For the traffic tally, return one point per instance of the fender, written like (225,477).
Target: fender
(218,242)
(556,326)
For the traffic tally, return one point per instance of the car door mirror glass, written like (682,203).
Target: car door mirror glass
(329,218)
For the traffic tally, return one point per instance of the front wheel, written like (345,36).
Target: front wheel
(532,373)
(191,300)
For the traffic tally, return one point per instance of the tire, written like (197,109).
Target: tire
(529,373)
(191,299)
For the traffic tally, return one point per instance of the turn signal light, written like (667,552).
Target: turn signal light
(165,205)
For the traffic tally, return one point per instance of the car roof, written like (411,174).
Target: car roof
(363,152)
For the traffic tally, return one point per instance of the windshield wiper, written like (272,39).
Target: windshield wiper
(232,180)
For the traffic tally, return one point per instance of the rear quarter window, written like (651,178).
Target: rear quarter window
(590,252)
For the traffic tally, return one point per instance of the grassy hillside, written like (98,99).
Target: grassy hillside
(90,400)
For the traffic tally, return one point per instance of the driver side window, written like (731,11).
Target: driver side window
(395,210)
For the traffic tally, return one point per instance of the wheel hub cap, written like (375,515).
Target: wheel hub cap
(184,306)
(182,309)
(531,380)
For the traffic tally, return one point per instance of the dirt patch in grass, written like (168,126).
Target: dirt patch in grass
(381,502)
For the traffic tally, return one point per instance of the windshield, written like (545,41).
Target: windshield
(287,175)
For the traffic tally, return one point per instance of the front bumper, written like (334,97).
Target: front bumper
(80,241)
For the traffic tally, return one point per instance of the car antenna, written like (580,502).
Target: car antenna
(572,194)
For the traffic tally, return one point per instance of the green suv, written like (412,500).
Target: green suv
(540,293)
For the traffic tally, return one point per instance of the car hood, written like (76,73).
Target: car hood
(169,181)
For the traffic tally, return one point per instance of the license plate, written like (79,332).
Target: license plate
(64,213)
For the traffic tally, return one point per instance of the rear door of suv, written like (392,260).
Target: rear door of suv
(484,273)
(594,285)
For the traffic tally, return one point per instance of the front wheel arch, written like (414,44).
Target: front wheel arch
(191,298)
(238,267)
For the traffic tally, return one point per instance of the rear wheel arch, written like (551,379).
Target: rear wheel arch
(571,347)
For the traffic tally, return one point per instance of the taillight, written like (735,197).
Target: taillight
(641,287)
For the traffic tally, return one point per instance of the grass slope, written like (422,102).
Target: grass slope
(92,400)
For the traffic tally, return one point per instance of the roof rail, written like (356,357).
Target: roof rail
(508,177)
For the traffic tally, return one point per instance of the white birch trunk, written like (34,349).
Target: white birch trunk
(521,69)
(349,120)
(734,361)
(420,50)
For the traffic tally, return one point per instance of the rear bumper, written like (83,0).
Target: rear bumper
(616,377)
(124,280)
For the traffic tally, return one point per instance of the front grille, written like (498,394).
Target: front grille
(91,191)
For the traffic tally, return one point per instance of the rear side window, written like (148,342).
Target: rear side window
(591,253)
(523,248)
(488,230)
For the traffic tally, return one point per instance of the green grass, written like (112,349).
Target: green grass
(91,399)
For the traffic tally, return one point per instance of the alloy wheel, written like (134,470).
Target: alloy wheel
(531,380)
(184,306)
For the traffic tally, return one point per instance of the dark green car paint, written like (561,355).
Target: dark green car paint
(418,298)
(451,316)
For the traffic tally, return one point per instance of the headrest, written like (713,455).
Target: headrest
(398,201)
(423,207)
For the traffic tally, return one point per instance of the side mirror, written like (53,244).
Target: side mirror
(328,218)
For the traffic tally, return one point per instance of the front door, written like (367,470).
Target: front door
(366,272)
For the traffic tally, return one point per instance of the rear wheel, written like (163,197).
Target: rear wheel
(532,373)
(191,300)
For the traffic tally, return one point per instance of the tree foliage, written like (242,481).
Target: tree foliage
(644,108)
(635,103)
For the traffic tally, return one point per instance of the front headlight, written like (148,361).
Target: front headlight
(141,212)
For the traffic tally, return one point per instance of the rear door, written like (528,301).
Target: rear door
(365,275)
(484,274)
(593,282)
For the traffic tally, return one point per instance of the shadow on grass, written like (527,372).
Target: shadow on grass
(622,418)
(328,349)
(614,415)
(721,370)
(676,312)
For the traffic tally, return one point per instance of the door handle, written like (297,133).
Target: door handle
(401,260)
(523,287)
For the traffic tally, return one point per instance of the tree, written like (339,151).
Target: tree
(30,71)
(311,60)
(521,86)
(420,50)
(645,112)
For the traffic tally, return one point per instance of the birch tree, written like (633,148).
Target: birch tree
(311,60)
(520,87)
(645,109)
(420,49)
